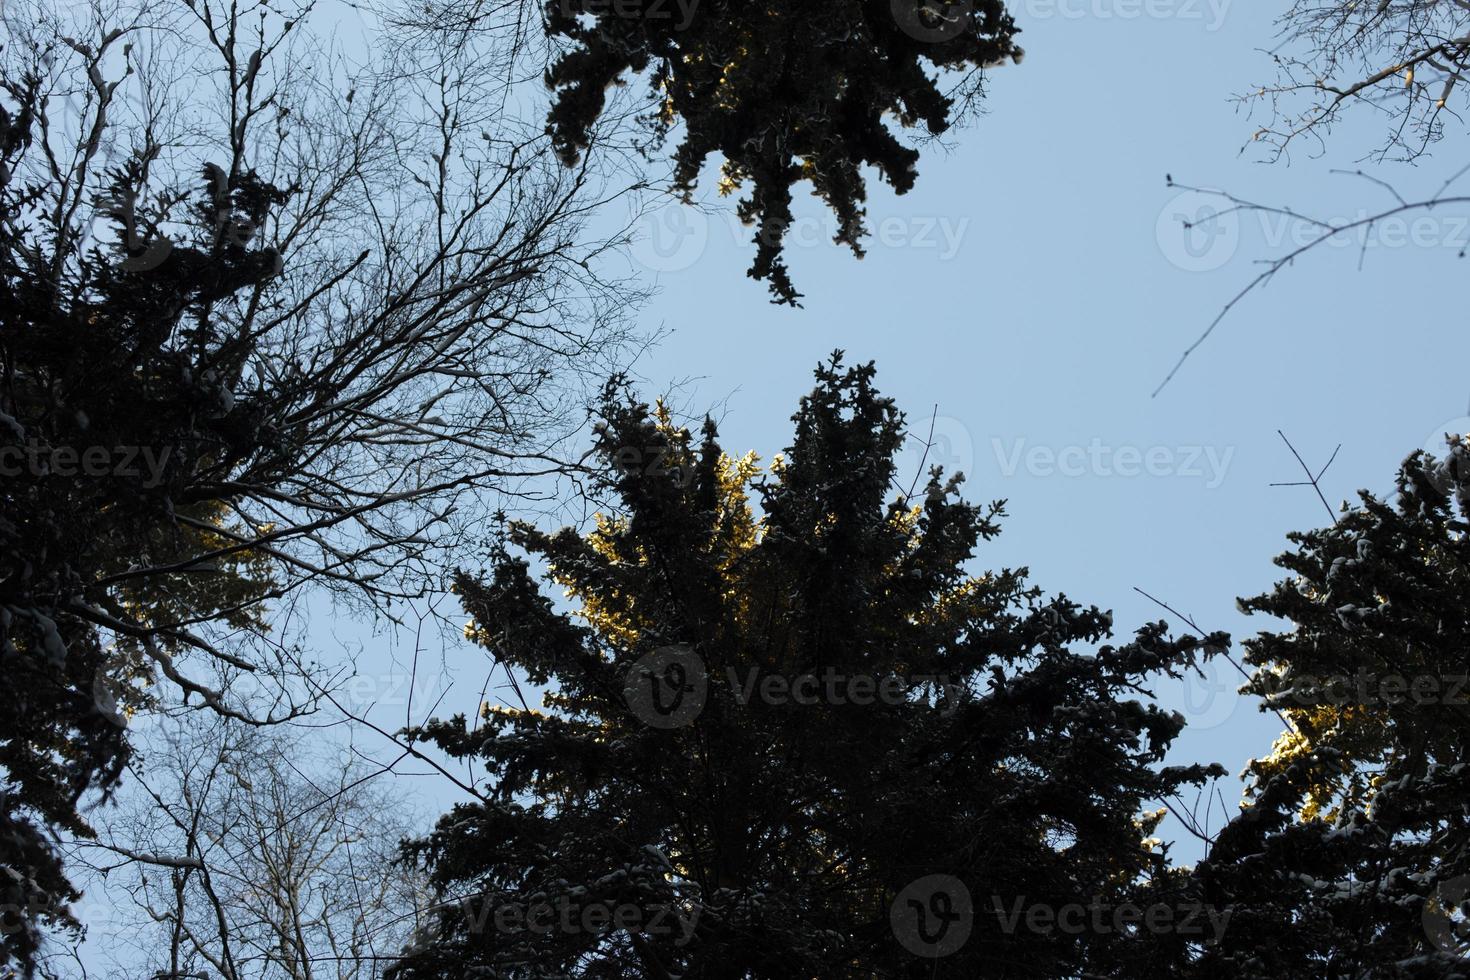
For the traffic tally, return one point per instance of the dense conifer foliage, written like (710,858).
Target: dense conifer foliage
(292,323)
(782,92)
(243,356)
(683,774)
(1352,855)
(90,377)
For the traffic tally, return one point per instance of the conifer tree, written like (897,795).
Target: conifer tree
(82,366)
(783,92)
(1351,856)
(244,356)
(685,804)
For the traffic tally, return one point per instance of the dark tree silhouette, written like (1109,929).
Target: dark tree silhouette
(257,336)
(783,92)
(1350,858)
(85,369)
(803,835)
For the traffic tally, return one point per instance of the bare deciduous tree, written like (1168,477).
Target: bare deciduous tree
(237,854)
(1403,59)
(348,301)
(1404,63)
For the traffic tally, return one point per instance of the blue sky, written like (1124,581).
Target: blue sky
(1033,291)
(1036,287)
